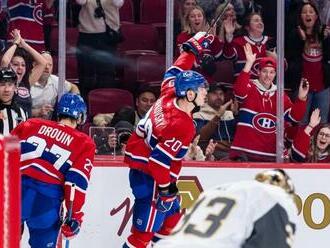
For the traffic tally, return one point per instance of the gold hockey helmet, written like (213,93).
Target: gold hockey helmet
(277,177)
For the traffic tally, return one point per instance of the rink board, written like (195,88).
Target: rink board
(109,201)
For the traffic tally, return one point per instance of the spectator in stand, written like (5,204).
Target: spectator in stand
(253,28)
(10,113)
(308,53)
(44,92)
(28,16)
(216,121)
(195,21)
(196,153)
(228,17)
(255,136)
(312,143)
(115,142)
(17,57)
(145,98)
(184,7)
(99,35)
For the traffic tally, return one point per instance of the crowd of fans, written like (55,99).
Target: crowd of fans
(229,125)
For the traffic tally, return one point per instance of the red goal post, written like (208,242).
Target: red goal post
(10,195)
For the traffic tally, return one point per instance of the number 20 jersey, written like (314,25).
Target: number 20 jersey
(247,214)
(162,137)
(56,154)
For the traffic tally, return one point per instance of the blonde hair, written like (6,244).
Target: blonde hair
(186,23)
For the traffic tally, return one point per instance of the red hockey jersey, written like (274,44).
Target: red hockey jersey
(162,137)
(256,128)
(235,50)
(27,16)
(56,154)
(300,149)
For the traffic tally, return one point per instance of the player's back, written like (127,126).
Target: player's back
(237,215)
(49,149)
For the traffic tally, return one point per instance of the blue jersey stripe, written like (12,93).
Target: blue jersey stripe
(22,11)
(160,156)
(77,179)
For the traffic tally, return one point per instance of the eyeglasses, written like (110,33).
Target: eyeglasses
(327,135)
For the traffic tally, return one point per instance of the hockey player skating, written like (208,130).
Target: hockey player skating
(154,152)
(258,213)
(54,156)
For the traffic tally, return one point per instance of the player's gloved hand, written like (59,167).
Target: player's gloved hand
(198,43)
(208,64)
(166,197)
(70,228)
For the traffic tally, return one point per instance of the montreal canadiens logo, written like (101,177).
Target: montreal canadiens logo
(265,123)
(255,67)
(37,14)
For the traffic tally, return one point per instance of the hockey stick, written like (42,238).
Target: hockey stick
(72,193)
(219,16)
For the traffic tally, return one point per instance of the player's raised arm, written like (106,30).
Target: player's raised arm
(193,49)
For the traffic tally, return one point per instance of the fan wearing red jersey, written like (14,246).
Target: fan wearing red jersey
(257,113)
(54,158)
(159,143)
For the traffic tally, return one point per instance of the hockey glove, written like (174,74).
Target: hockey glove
(198,43)
(166,197)
(71,228)
(208,64)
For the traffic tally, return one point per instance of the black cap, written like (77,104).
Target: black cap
(8,74)
(217,86)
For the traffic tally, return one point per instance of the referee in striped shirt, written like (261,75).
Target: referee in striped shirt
(10,113)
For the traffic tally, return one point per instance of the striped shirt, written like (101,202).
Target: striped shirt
(10,117)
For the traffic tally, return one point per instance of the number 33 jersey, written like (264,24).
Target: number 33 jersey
(54,153)
(247,214)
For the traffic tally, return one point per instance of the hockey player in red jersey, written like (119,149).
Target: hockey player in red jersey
(255,137)
(54,158)
(155,150)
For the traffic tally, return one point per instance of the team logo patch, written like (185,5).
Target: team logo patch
(37,14)
(264,123)
(23,92)
(255,68)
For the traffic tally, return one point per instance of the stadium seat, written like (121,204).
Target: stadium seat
(142,68)
(71,40)
(150,68)
(126,12)
(108,100)
(152,11)
(138,36)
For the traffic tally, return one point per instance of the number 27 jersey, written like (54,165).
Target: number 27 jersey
(54,153)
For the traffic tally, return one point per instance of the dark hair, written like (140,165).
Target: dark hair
(314,151)
(20,52)
(246,22)
(316,33)
(124,114)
